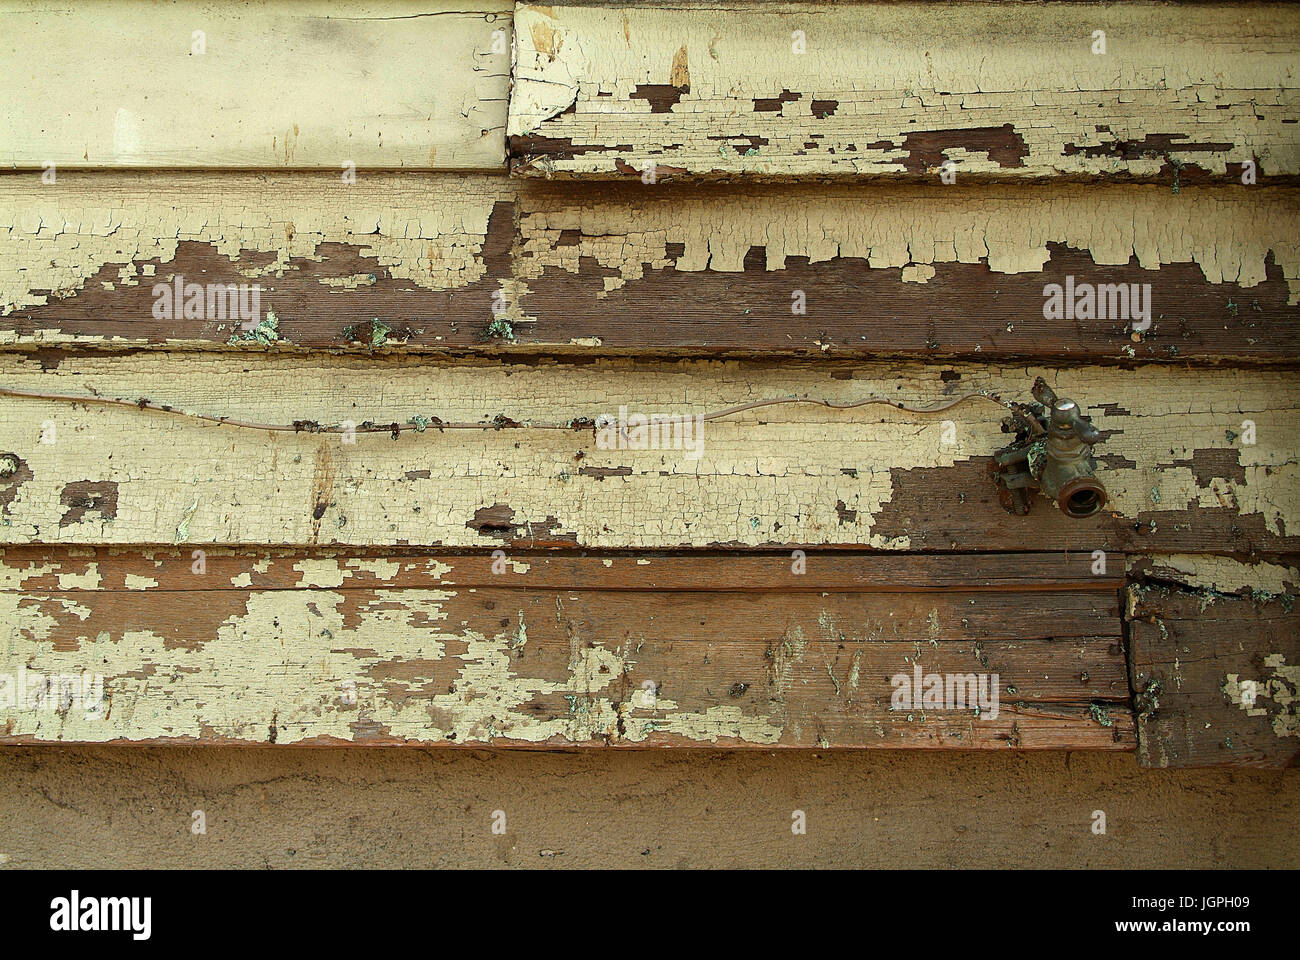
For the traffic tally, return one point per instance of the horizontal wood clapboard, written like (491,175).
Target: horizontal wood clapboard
(1176,460)
(1117,91)
(138,83)
(473,264)
(1216,676)
(648,650)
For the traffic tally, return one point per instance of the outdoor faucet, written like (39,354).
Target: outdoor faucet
(1052,454)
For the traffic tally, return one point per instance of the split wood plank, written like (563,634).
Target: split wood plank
(900,89)
(133,83)
(1216,675)
(1176,460)
(331,648)
(1217,575)
(406,263)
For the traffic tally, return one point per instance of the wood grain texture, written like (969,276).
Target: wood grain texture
(392,83)
(899,89)
(103,568)
(329,648)
(1216,676)
(408,263)
(1180,474)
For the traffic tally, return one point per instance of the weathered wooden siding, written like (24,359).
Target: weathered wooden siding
(630,651)
(406,262)
(899,89)
(184,514)
(1180,476)
(137,83)
(1215,663)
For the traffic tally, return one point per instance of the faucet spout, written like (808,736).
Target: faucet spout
(1053,454)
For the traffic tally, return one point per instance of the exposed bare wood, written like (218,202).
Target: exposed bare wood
(407,263)
(251,648)
(1176,460)
(1216,678)
(899,89)
(386,83)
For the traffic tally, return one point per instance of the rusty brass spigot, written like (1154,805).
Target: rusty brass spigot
(1052,453)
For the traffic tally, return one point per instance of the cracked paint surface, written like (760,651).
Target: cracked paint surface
(78,261)
(784,474)
(1280,688)
(285,659)
(1227,233)
(1221,574)
(53,241)
(710,91)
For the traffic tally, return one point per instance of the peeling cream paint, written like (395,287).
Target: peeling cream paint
(320,573)
(385,661)
(1280,687)
(58,237)
(866,85)
(786,465)
(89,580)
(382,569)
(1221,574)
(53,241)
(1229,233)
(290,659)
(720,722)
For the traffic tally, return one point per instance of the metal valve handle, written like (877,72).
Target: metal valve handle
(1052,454)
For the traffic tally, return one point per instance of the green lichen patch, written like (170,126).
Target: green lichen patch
(265,333)
(499,329)
(374,334)
(1147,701)
(1100,715)
(379,332)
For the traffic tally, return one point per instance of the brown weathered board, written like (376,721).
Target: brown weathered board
(1216,676)
(1171,92)
(736,650)
(403,263)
